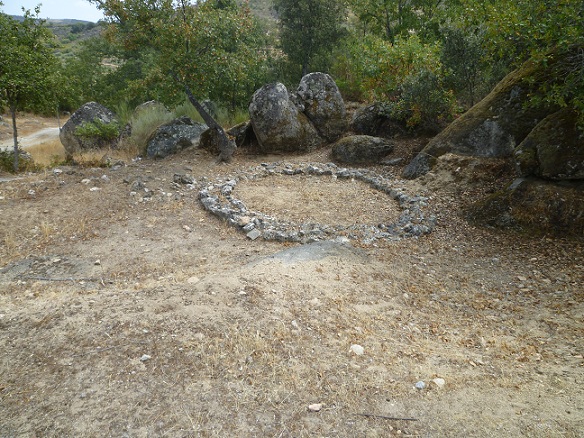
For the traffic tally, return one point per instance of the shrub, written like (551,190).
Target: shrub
(406,74)
(25,162)
(98,129)
(424,103)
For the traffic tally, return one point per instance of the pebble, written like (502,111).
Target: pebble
(439,382)
(357,349)
(315,407)
(145,358)
(420,385)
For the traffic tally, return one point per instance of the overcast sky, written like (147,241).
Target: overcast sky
(77,9)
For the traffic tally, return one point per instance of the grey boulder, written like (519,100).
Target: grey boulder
(173,137)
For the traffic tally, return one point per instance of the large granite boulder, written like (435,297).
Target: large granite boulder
(173,137)
(361,149)
(278,124)
(494,126)
(554,149)
(77,134)
(323,105)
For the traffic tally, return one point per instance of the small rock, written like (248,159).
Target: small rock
(57,171)
(315,407)
(145,358)
(85,181)
(105,178)
(193,280)
(243,221)
(94,189)
(254,234)
(420,385)
(187,228)
(357,349)
(392,162)
(439,382)
(97,262)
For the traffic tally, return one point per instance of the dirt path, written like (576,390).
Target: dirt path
(43,136)
(128,310)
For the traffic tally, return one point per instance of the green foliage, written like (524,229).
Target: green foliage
(7,162)
(27,66)
(97,128)
(464,62)
(215,47)
(309,29)
(27,63)
(543,31)
(406,74)
(424,102)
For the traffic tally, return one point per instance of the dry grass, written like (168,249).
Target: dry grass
(48,153)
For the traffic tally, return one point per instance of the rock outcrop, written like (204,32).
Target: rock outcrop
(493,127)
(174,136)
(278,124)
(76,139)
(361,149)
(554,149)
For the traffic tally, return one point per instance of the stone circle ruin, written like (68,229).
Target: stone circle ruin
(220,198)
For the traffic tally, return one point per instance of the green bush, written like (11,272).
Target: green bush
(406,74)
(25,162)
(424,103)
(98,129)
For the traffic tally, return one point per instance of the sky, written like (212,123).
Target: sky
(57,9)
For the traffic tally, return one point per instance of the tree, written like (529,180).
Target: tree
(207,47)
(27,67)
(310,29)
(387,18)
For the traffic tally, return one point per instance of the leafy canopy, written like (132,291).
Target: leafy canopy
(309,30)
(27,63)
(214,46)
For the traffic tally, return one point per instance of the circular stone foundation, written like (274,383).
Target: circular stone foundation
(311,202)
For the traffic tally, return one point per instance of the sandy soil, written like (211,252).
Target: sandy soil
(135,313)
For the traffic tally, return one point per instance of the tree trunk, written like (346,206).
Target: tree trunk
(226,145)
(15,136)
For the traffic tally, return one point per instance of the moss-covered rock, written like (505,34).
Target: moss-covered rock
(494,126)
(554,149)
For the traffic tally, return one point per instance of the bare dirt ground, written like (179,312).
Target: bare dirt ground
(135,313)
